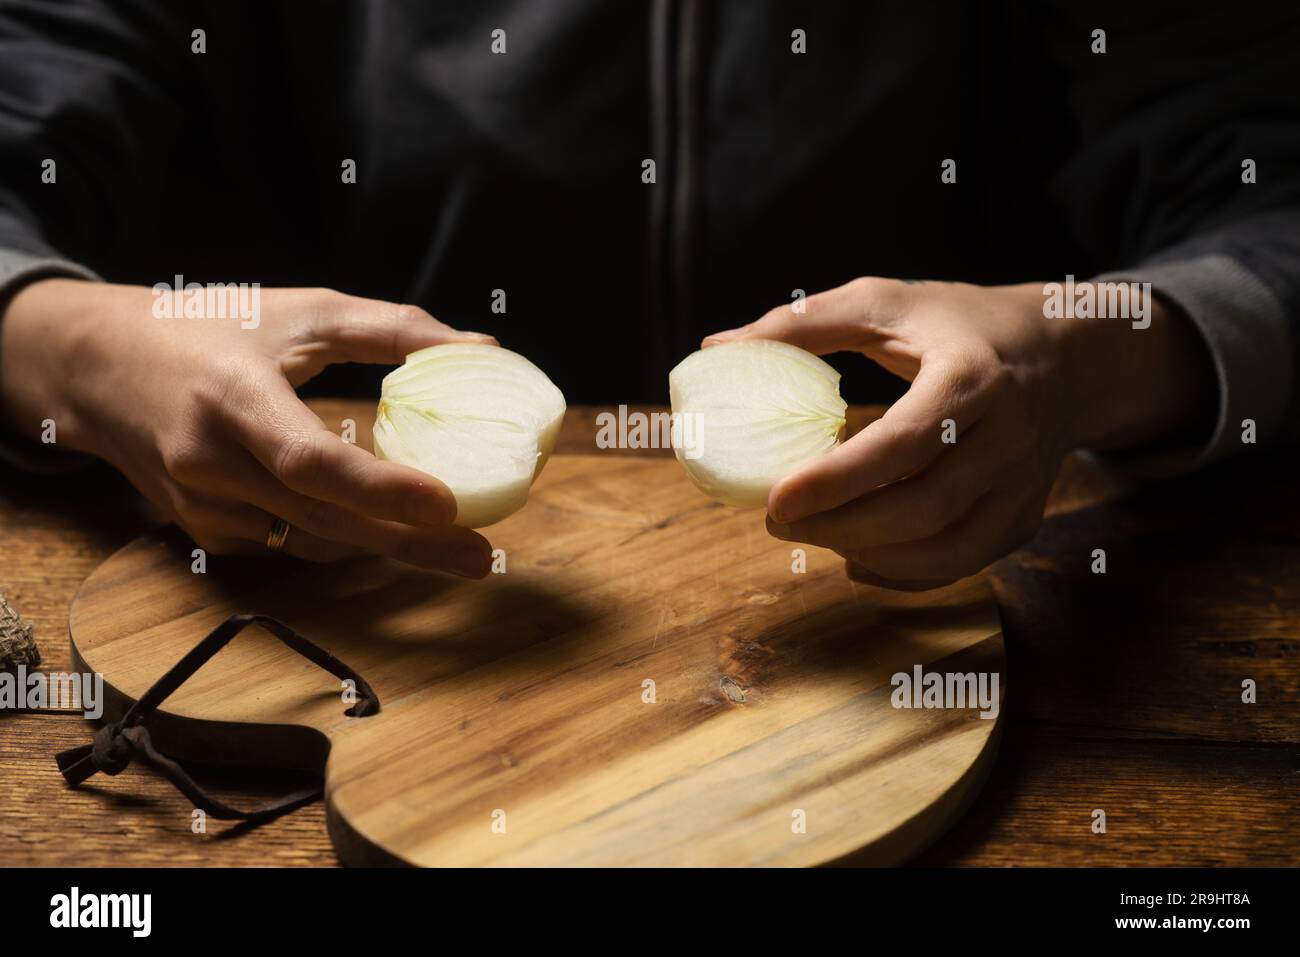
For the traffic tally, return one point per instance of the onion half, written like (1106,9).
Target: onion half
(481,419)
(761,409)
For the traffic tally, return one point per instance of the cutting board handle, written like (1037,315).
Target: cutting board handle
(116,744)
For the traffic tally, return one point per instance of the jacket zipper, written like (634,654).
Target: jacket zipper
(675,50)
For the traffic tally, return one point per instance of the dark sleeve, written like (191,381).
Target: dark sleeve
(1163,122)
(94,86)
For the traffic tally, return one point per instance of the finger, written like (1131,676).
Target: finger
(242,478)
(312,548)
(461,551)
(353,329)
(300,543)
(909,436)
(292,443)
(446,548)
(909,510)
(229,528)
(846,317)
(303,544)
(863,575)
(997,524)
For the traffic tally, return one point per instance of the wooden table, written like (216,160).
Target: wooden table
(1125,688)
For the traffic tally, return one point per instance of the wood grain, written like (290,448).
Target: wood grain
(525,693)
(1171,804)
(1165,740)
(136,817)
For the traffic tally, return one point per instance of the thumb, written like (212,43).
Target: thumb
(830,321)
(353,329)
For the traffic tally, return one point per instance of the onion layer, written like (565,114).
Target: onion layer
(760,409)
(480,418)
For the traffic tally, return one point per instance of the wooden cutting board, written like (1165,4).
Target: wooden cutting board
(648,683)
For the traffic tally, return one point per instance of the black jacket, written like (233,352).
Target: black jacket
(775,170)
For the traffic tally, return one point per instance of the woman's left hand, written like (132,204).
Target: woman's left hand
(958,470)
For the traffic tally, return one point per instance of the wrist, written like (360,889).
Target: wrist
(40,326)
(1136,382)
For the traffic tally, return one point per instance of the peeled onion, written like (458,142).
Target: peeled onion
(480,418)
(761,409)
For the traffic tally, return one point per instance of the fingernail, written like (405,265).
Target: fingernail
(431,510)
(478,336)
(782,513)
(471,562)
(791,507)
(779,530)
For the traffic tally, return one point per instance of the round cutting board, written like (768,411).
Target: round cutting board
(653,680)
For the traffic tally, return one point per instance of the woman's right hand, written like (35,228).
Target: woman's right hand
(201,416)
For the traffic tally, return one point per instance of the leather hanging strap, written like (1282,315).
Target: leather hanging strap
(115,745)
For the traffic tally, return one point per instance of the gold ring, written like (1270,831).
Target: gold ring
(276,537)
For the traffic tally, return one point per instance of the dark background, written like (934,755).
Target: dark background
(522,172)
